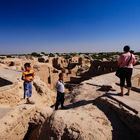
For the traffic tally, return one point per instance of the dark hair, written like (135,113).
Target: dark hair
(126,48)
(60,75)
(27,65)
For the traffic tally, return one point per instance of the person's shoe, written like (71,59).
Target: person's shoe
(120,94)
(63,107)
(56,108)
(30,102)
(127,94)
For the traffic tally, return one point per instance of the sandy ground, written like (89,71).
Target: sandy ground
(111,80)
(4,111)
(83,103)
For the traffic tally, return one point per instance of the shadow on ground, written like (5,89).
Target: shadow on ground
(4,82)
(133,88)
(102,87)
(119,130)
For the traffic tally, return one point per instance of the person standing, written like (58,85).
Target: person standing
(60,92)
(28,76)
(126,62)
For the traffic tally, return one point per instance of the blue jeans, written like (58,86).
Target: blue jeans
(27,89)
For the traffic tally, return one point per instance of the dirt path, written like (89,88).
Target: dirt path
(85,113)
(4,111)
(89,91)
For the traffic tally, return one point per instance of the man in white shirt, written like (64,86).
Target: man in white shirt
(60,92)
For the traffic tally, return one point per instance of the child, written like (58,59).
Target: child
(28,76)
(60,92)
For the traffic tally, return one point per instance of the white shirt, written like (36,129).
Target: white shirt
(60,86)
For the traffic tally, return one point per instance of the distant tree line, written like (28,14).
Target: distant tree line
(102,55)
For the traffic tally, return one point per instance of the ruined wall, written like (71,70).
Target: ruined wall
(99,67)
(56,64)
(17,125)
(75,69)
(129,118)
(47,74)
(9,94)
(96,68)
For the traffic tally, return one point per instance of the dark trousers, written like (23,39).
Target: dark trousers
(126,75)
(59,100)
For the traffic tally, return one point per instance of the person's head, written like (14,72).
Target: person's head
(126,48)
(61,76)
(27,66)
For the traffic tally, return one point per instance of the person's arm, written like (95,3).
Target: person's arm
(56,87)
(134,60)
(23,76)
(120,60)
(33,75)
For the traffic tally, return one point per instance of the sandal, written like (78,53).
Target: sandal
(127,94)
(120,94)
(30,102)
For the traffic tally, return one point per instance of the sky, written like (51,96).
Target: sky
(69,25)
